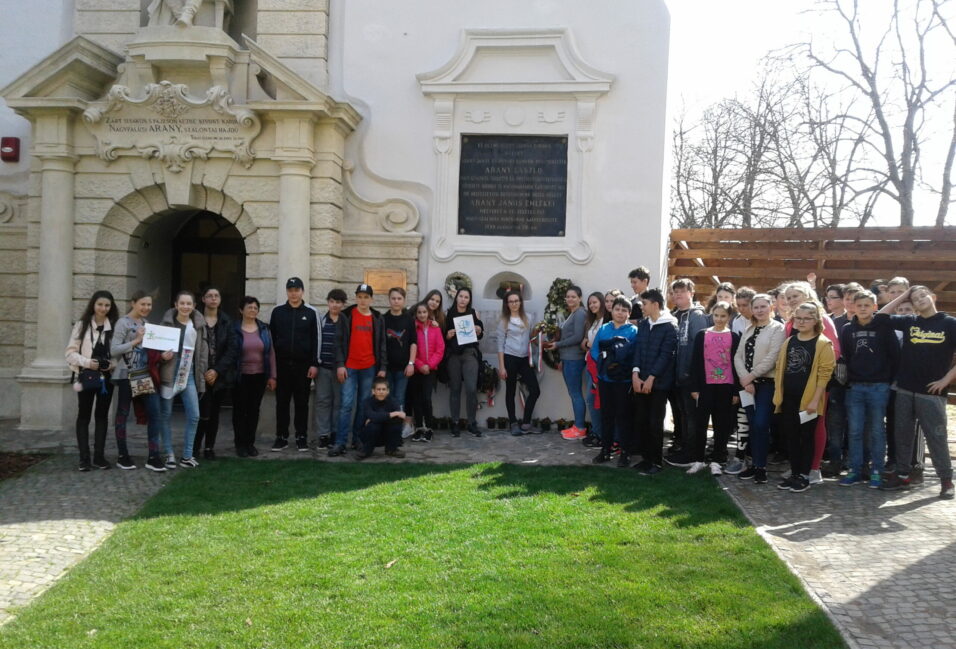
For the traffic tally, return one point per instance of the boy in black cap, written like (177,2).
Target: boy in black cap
(294,329)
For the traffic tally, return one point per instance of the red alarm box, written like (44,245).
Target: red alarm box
(10,149)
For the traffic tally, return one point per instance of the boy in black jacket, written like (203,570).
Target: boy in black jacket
(295,337)
(383,417)
(871,353)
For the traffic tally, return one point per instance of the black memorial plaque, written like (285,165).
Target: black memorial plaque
(513,185)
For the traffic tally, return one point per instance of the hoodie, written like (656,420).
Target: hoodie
(689,322)
(654,352)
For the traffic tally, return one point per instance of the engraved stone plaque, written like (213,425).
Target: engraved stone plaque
(382,280)
(513,185)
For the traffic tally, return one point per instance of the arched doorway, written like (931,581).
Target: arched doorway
(192,249)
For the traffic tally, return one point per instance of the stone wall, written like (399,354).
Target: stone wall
(296,32)
(13,235)
(111,23)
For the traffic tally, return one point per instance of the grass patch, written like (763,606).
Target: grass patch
(304,554)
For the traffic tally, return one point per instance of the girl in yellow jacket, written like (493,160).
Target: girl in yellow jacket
(804,367)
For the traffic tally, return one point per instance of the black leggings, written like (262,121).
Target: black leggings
(518,367)
(800,440)
(208,428)
(714,401)
(418,398)
(100,415)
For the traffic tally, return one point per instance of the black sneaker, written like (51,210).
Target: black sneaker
(830,470)
(209,454)
(85,466)
(302,444)
(100,464)
(623,461)
(253,451)
(474,430)
(279,445)
(800,484)
(786,483)
(748,473)
(592,441)
(418,435)
(155,464)
(125,462)
(760,476)
(895,482)
(429,433)
(601,458)
(242,451)
(324,441)
(653,469)
(680,459)
(336,450)
(188,462)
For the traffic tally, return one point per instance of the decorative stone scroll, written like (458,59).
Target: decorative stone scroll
(170,125)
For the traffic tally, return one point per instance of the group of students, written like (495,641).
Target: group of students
(863,377)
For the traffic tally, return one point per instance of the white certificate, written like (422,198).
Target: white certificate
(161,338)
(806,416)
(746,399)
(465,329)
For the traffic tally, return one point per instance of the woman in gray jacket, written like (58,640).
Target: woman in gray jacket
(182,373)
(514,334)
(572,359)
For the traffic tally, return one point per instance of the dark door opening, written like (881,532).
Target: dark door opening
(209,251)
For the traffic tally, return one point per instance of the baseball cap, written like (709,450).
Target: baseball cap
(294,282)
(364,288)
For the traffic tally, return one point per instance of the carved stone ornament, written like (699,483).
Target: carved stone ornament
(10,207)
(170,125)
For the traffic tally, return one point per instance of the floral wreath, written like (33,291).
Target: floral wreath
(555,307)
(455,282)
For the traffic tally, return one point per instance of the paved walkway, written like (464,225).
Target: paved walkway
(883,565)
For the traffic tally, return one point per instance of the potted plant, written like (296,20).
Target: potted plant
(503,423)
(546,425)
(491,423)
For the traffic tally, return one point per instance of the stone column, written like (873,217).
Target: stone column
(295,153)
(46,401)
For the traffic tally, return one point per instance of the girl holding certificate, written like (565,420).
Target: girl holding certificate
(463,330)
(183,373)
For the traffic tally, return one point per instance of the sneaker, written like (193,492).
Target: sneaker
(875,481)
(815,476)
(592,441)
(474,430)
(695,467)
(851,478)
(800,484)
(85,466)
(615,448)
(125,462)
(171,462)
(516,429)
(734,466)
(279,445)
(336,450)
(653,469)
(253,451)
(715,469)
(100,464)
(302,445)
(946,490)
(601,457)
(786,483)
(679,459)
(209,454)
(324,441)
(916,475)
(418,435)
(748,473)
(242,451)
(395,452)
(155,464)
(574,433)
(894,482)
(189,462)
(829,470)
(760,476)
(528,429)
(429,433)
(407,430)
(623,461)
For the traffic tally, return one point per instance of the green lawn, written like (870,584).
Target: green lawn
(305,554)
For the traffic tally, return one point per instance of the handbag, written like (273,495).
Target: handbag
(141,383)
(89,380)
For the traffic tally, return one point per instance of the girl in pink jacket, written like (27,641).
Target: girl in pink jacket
(421,385)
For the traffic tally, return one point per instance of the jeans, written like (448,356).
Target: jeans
(246,399)
(101,416)
(328,402)
(760,416)
(463,370)
(595,413)
(518,367)
(866,409)
(397,384)
(357,387)
(123,402)
(929,410)
(190,399)
(572,370)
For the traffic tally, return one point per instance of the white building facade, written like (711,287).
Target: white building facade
(177,143)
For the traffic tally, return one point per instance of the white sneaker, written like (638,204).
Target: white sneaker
(815,476)
(171,462)
(696,467)
(407,430)
(715,469)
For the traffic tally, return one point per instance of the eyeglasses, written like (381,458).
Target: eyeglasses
(796,319)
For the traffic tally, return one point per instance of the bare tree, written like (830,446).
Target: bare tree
(889,68)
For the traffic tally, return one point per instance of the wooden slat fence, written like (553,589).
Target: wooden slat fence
(763,258)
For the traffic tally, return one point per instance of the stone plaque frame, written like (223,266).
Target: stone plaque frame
(383,279)
(485,89)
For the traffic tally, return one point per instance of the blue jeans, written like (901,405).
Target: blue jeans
(357,387)
(866,409)
(397,383)
(190,399)
(572,371)
(759,416)
(596,427)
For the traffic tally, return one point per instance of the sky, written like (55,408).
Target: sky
(717,45)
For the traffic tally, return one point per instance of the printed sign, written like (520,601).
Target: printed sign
(465,331)
(161,338)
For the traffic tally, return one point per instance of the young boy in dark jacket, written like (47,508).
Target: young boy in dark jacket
(383,418)
(652,377)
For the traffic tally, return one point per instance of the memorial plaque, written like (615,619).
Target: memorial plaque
(513,185)
(382,280)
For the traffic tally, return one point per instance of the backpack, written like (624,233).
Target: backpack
(615,358)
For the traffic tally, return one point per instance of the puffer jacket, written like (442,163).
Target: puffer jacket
(431,345)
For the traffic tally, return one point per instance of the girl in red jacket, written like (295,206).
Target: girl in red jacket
(421,385)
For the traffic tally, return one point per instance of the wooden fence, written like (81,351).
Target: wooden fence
(763,258)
